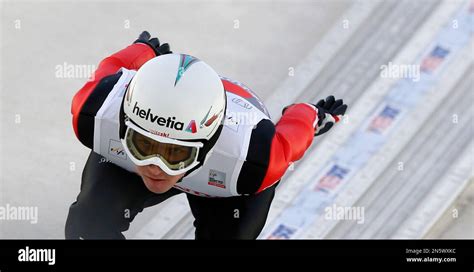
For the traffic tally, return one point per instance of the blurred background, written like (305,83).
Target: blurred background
(400,164)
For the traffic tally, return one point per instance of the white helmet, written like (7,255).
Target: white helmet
(174,100)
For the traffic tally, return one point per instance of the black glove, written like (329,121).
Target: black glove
(154,43)
(330,111)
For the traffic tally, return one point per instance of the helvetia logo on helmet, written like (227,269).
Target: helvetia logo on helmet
(169,122)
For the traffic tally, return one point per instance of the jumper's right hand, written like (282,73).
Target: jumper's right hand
(154,43)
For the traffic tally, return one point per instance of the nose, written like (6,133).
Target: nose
(155,170)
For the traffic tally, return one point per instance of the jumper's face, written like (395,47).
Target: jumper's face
(156,180)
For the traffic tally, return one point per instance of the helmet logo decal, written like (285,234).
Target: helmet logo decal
(205,117)
(192,127)
(185,62)
(128,95)
(129,92)
(210,121)
(207,122)
(169,122)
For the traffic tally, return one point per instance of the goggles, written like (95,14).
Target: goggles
(174,157)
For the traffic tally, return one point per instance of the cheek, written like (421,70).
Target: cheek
(177,178)
(139,169)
